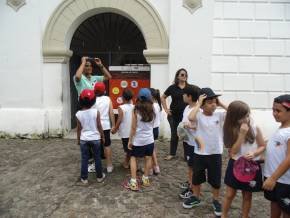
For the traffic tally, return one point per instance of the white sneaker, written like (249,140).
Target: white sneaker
(101,179)
(91,168)
(84,181)
(110,169)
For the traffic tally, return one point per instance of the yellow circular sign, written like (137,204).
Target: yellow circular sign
(116,91)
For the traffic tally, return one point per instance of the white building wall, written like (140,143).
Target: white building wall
(250,56)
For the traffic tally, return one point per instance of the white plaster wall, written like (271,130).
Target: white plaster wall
(190,44)
(251,54)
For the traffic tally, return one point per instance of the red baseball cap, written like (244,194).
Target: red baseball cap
(99,87)
(87,93)
(245,170)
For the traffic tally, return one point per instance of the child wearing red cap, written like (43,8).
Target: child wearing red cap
(277,161)
(89,134)
(245,142)
(104,105)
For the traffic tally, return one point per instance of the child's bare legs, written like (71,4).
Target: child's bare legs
(247,203)
(228,198)
(215,193)
(133,167)
(196,190)
(275,210)
(126,161)
(155,167)
(190,173)
(108,154)
(148,165)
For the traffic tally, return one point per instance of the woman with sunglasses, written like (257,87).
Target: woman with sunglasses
(84,79)
(175,112)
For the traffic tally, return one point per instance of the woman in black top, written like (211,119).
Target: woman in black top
(174,114)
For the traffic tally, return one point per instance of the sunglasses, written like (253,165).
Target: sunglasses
(182,74)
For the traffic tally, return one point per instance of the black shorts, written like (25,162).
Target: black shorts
(156,132)
(125,145)
(213,164)
(107,134)
(189,153)
(142,151)
(281,195)
(252,186)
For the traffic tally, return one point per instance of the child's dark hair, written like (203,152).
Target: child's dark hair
(127,94)
(193,91)
(237,110)
(284,100)
(156,95)
(86,102)
(145,110)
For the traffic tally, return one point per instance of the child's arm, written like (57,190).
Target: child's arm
(193,113)
(222,105)
(112,116)
(133,129)
(261,145)
(79,128)
(240,140)
(119,120)
(270,182)
(100,128)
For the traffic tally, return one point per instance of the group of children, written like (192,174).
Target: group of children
(208,130)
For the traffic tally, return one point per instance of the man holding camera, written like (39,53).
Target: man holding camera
(84,79)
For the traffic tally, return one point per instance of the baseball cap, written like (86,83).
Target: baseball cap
(284,100)
(87,94)
(208,92)
(144,94)
(245,170)
(99,87)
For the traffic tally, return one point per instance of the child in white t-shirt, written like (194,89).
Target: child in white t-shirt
(277,161)
(89,134)
(123,124)
(104,105)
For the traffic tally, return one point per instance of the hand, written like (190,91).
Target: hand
(168,111)
(244,128)
(84,60)
(113,130)
(98,62)
(103,140)
(201,99)
(250,155)
(130,145)
(186,125)
(269,184)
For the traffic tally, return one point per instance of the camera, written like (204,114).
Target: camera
(90,59)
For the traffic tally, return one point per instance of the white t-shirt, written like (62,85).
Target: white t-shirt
(185,120)
(248,147)
(158,113)
(276,151)
(144,133)
(210,130)
(125,126)
(103,105)
(88,120)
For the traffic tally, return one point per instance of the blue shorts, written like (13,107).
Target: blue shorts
(142,151)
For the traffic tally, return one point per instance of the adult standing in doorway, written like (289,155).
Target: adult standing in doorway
(175,112)
(84,79)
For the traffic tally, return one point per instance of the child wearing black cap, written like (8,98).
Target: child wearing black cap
(277,161)
(209,129)
(89,134)
(141,140)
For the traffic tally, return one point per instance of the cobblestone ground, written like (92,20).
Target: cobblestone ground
(39,178)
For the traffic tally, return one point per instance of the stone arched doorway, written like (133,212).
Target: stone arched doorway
(113,38)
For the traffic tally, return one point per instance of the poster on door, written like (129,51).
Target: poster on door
(133,77)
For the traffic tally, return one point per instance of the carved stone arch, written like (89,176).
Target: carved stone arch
(71,13)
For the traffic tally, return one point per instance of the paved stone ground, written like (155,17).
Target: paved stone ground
(39,179)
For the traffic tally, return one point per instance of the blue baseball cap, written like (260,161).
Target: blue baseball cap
(144,94)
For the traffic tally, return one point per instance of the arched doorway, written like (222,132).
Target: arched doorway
(113,38)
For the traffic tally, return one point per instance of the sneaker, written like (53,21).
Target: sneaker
(145,181)
(187,193)
(133,185)
(217,208)
(184,185)
(101,179)
(84,181)
(91,168)
(156,170)
(110,169)
(191,202)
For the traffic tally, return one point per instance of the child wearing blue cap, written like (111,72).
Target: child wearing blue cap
(141,140)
